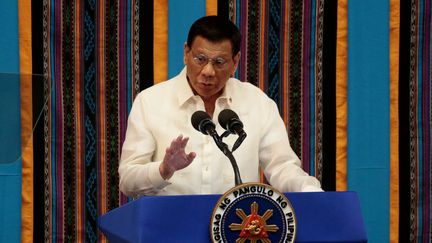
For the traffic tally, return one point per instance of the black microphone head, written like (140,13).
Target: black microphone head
(228,118)
(200,120)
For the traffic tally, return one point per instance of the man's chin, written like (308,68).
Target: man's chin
(205,89)
(206,94)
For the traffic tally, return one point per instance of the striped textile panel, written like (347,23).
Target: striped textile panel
(282,53)
(415,122)
(94,66)
(88,53)
(93,57)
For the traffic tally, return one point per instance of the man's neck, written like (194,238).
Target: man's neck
(210,104)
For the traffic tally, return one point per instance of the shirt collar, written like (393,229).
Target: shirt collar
(184,91)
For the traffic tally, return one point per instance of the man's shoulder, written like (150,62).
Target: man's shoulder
(246,89)
(158,89)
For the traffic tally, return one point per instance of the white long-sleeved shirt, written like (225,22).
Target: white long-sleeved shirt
(163,112)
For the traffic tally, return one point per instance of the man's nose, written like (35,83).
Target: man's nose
(208,69)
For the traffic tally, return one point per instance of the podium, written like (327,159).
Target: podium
(321,217)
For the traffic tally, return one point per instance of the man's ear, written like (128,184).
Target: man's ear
(186,50)
(236,60)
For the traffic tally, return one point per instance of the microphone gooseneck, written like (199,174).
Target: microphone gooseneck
(202,122)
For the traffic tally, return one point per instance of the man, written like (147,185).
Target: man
(163,154)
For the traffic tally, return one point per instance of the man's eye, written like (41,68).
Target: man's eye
(220,62)
(201,59)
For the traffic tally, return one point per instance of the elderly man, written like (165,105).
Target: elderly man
(163,154)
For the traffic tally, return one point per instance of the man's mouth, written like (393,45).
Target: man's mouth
(205,83)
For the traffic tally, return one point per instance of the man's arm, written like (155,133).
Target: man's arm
(281,165)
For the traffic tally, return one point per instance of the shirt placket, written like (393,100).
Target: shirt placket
(206,172)
(206,153)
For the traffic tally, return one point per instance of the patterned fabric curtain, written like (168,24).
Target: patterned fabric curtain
(96,56)
(415,102)
(87,52)
(289,51)
(90,58)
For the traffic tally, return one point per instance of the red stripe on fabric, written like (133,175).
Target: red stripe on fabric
(284,61)
(100,118)
(243,47)
(79,106)
(305,87)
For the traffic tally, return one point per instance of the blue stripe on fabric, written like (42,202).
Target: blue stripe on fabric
(10,129)
(130,62)
(10,203)
(9,58)
(420,119)
(312,89)
(181,16)
(52,160)
(10,118)
(368,112)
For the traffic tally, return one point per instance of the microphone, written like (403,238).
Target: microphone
(202,122)
(230,121)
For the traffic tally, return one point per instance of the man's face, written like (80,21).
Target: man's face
(209,66)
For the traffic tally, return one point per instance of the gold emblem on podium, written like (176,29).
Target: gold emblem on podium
(253,227)
(253,212)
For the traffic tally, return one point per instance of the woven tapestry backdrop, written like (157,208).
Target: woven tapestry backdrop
(95,56)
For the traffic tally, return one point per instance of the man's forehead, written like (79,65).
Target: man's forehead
(204,43)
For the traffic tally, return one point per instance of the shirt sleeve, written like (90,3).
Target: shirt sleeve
(138,174)
(281,165)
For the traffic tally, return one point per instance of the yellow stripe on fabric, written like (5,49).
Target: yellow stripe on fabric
(285,64)
(160,41)
(24,13)
(261,60)
(211,7)
(80,170)
(394,120)
(341,96)
(102,114)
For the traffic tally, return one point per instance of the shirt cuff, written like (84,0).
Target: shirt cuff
(155,177)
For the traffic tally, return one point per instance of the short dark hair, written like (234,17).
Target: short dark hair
(215,29)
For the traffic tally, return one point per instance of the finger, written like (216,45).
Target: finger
(184,142)
(191,156)
(179,138)
(176,143)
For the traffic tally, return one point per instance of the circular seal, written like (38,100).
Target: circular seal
(254,212)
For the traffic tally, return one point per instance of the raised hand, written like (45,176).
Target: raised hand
(175,157)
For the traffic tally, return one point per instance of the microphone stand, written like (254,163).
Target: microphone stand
(224,148)
(201,121)
(227,152)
